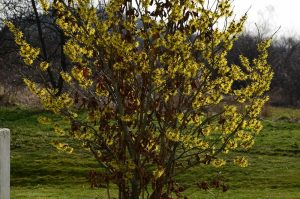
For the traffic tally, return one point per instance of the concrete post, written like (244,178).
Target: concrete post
(4,164)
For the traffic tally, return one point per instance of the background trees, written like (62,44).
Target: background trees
(40,30)
(284,59)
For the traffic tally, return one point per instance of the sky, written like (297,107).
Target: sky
(271,14)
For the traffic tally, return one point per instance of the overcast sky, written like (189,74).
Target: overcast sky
(274,13)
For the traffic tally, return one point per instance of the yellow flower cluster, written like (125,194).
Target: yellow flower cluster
(66,77)
(83,135)
(101,92)
(173,135)
(187,140)
(255,125)
(158,173)
(44,120)
(232,119)
(48,98)
(44,66)
(225,8)
(45,5)
(240,161)
(218,162)
(63,147)
(28,53)
(82,76)
(158,77)
(59,131)
(75,52)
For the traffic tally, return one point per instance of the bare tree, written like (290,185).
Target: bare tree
(40,30)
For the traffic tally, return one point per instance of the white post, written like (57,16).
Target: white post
(4,163)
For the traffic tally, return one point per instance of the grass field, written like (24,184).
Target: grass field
(40,172)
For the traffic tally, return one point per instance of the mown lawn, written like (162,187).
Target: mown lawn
(38,171)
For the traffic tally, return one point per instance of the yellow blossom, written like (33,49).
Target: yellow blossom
(218,162)
(240,161)
(44,66)
(158,173)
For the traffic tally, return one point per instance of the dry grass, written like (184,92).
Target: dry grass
(17,95)
(266,111)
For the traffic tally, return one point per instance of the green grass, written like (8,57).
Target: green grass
(278,112)
(38,171)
